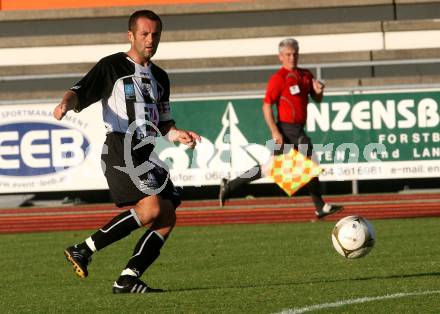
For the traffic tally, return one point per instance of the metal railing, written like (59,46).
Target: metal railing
(318,67)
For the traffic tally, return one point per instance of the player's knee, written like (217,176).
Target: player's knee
(147,211)
(155,212)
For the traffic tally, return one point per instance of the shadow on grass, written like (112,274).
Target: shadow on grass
(400,276)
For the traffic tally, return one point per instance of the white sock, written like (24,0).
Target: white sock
(129,272)
(91,244)
(326,208)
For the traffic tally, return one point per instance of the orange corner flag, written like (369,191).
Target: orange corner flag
(293,170)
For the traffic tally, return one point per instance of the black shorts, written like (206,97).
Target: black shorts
(294,136)
(129,185)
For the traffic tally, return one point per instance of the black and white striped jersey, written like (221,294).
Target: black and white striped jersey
(129,93)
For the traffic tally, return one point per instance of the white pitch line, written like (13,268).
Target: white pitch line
(316,307)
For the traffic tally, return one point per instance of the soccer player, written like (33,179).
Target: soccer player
(134,94)
(289,89)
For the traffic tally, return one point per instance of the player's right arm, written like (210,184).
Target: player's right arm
(67,103)
(96,84)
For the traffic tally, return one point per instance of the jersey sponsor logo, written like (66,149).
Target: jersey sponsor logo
(129,91)
(37,148)
(147,116)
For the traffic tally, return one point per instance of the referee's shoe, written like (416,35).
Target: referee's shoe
(328,210)
(224,192)
(79,258)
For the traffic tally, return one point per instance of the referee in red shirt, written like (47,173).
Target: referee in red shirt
(288,89)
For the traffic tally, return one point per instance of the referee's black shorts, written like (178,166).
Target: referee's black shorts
(126,186)
(294,136)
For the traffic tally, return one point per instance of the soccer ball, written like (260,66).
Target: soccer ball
(353,237)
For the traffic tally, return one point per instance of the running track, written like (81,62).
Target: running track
(239,211)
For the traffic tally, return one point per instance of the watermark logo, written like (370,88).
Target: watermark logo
(152,175)
(230,154)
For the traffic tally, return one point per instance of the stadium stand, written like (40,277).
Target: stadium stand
(227,46)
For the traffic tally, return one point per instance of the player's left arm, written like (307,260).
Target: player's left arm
(168,127)
(186,137)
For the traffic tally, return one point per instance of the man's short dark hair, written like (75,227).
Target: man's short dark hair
(143,13)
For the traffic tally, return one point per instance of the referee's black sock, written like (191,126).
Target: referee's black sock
(314,187)
(119,227)
(147,250)
(245,178)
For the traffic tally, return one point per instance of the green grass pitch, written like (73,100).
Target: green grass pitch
(265,268)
